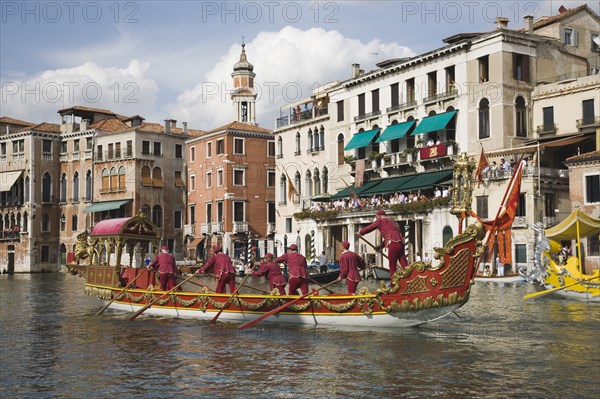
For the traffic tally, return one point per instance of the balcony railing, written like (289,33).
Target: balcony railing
(549,221)
(547,129)
(402,106)
(206,228)
(270,228)
(217,227)
(520,221)
(189,229)
(441,96)
(10,235)
(367,116)
(240,227)
(588,122)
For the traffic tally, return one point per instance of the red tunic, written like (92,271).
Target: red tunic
(165,262)
(272,272)
(350,263)
(388,229)
(296,264)
(221,262)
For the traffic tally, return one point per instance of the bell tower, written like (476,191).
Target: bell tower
(243,95)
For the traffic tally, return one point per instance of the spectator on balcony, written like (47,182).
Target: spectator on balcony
(437,193)
(445,192)
(505,165)
(494,169)
(430,142)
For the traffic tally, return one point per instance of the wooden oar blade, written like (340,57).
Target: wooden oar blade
(546,292)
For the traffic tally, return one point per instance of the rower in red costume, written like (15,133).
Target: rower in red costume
(224,270)
(273,273)
(391,237)
(350,264)
(297,270)
(167,269)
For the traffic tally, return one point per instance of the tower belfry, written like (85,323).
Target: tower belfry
(244,95)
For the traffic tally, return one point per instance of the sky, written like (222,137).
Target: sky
(173,59)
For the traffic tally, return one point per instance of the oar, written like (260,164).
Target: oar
(142,310)
(198,284)
(280,308)
(372,246)
(542,293)
(312,280)
(214,319)
(247,286)
(118,295)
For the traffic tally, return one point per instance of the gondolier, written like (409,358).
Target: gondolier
(167,269)
(272,272)
(223,269)
(297,269)
(391,237)
(350,264)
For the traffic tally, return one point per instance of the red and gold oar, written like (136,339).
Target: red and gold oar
(214,319)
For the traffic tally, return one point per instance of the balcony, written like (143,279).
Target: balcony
(189,229)
(240,227)
(549,221)
(270,228)
(441,96)
(402,106)
(588,122)
(10,235)
(520,222)
(217,227)
(299,116)
(75,156)
(546,129)
(206,228)
(370,115)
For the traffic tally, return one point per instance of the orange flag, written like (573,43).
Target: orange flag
(483,163)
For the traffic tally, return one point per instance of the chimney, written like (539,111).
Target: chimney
(355,70)
(167,126)
(184,127)
(84,125)
(501,22)
(528,19)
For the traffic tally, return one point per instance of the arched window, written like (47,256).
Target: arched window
(431,113)
(340,149)
(88,185)
(122,178)
(63,222)
(45,222)
(46,188)
(105,180)
(26,189)
(280,146)
(308,184)
(298,185)
(316,182)
(63,188)
(447,234)
(19,220)
(322,138)
(146,176)
(297,143)
(25,222)
(309,142)
(283,189)
(76,187)
(74,222)
(157,179)
(114,179)
(316,143)
(325,177)
(146,210)
(157,216)
(520,117)
(484,118)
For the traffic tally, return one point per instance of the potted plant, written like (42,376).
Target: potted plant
(411,153)
(350,160)
(375,156)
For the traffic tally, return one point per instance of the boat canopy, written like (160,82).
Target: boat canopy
(567,229)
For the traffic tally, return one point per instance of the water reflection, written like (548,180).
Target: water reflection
(500,346)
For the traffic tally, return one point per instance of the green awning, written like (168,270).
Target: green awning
(396,131)
(434,122)
(105,206)
(389,185)
(425,180)
(362,139)
(345,193)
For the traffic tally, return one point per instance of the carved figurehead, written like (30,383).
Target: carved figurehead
(83,249)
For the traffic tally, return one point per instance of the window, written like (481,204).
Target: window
(220,147)
(2,150)
(280,146)
(308,184)
(375,100)
(450,79)
(522,207)
(521,253)
(238,211)
(593,246)
(482,206)
(239,177)
(88,185)
(592,189)
(63,147)
(520,117)
(220,177)
(270,148)
(118,150)
(521,67)
(297,144)
(177,219)
(595,39)
(587,111)
(325,179)
(178,151)
(110,152)
(105,181)
(192,182)
(361,104)
(45,223)
(146,176)
(548,118)
(271,212)
(209,213)
(157,179)
(432,84)
(192,214)
(288,225)
(283,190)
(74,222)
(76,146)
(410,90)
(63,188)
(244,111)
(145,147)
(129,149)
(238,146)
(340,111)
(340,149)
(47,146)
(208,178)
(192,154)
(298,187)
(18,147)
(114,180)
(570,37)
(178,179)
(484,118)
(89,143)
(395,94)
(76,187)
(121,186)
(157,149)
(99,153)
(484,69)
(209,149)
(219,211)
(45,253)
(157,217)
(270,178)
(46,188)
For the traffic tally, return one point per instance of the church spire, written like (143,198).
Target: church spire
(243,95)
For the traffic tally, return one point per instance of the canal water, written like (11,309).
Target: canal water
(497,346)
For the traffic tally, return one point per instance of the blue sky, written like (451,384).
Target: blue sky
(173,59)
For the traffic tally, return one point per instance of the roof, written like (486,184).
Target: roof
(543,21)
(587,157)
(86,109)
(13,121)
(247,127)
(138,226)
(42,127)
(111,125)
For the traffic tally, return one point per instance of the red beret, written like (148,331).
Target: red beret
(269,256)
(345,244)
(294,247)
(216,248)
(164,248)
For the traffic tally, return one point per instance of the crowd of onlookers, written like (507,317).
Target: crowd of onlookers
(379,200)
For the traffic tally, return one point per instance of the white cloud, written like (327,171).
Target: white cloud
(126,91)
(287,59)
